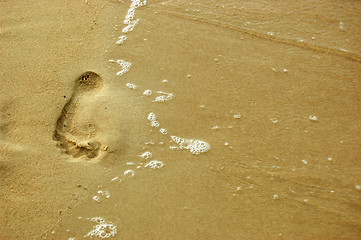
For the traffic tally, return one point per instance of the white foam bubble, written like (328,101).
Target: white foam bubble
(129,16)
(163,131)
(128,20)
(194,146)
(103,229)
(146,155)
(340,25)
(147,92)
(115,178)
(131,86)
(130,27)
(164,97)
(274,120)
(104,193)
(155,124)
(125,66)
(138,3)
(154,164)
(153,120)
(237,116)
(121,39)
(313,118)
(152,117)
(129,173)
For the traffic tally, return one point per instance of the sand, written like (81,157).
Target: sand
(272,87)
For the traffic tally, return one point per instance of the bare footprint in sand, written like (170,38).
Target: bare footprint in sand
(75,131)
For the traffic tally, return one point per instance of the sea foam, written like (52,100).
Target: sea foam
(196,147)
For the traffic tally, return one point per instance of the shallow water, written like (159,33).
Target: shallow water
(273,88)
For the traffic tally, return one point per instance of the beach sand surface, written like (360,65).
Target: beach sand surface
(273,88)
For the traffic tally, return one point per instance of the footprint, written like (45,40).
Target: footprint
(75,131)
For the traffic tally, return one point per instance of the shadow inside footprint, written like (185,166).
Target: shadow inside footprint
(76,139)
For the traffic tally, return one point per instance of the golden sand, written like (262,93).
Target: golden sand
(273,87)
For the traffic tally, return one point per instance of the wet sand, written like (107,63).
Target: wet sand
(273,88)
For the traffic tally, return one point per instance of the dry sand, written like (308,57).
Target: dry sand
(273,86)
